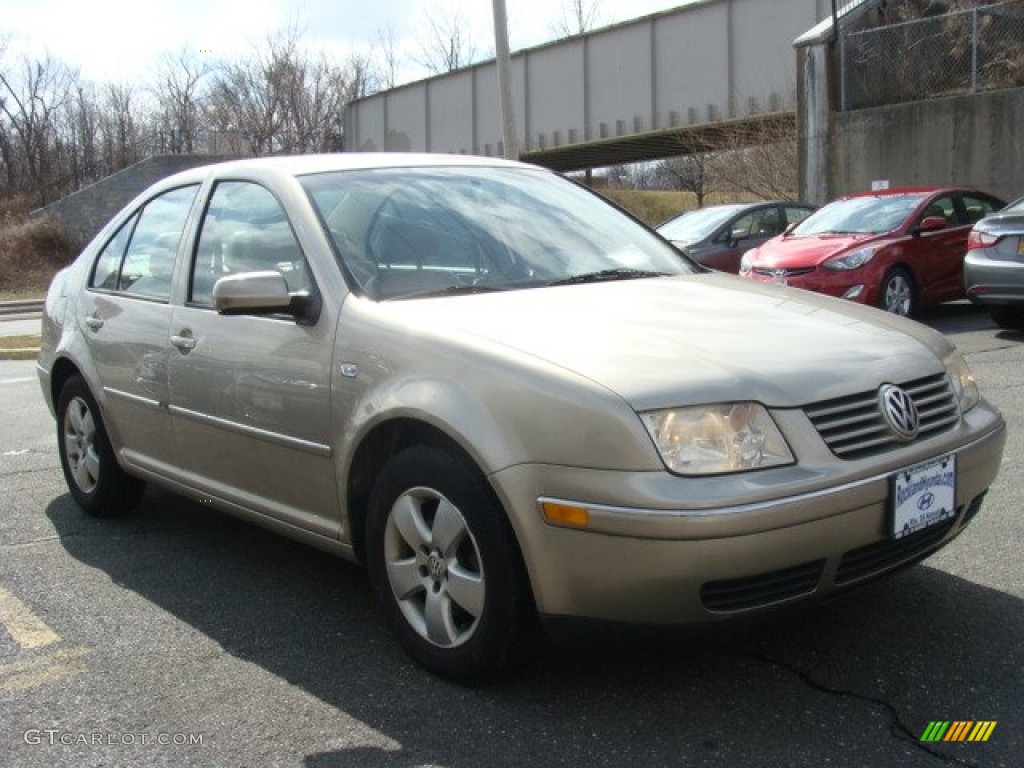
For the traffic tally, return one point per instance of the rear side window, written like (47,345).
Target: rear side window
(139,258)
(977,208)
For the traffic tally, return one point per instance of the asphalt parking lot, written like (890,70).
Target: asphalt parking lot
(180,636)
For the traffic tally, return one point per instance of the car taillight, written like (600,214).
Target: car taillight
(979,239)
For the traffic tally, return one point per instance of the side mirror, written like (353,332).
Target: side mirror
(932,224)
(263,293)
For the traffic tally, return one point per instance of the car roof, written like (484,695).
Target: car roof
(908,191)
(300,165)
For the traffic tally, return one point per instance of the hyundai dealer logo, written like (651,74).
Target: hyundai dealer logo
(899,411)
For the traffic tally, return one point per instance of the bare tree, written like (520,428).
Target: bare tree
(32,99)
(692,171)
(120,128)
(761,160)
(180,90)
(446,45)
(387,63)
(577,17)
(282,101)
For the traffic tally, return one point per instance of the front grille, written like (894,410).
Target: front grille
(780,273)
(853,426)
(762,589)
(875,559)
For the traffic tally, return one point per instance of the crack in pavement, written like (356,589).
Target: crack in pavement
(897,727)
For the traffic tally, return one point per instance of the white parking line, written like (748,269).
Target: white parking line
(21,380)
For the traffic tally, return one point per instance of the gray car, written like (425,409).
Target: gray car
(505,397)
(994,265)
(717,236)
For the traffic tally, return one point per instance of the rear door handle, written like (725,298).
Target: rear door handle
(185,342)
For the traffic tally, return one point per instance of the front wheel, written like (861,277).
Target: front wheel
(99,485)
(897,294)
(444,565)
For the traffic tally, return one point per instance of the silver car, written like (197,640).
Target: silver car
(994,265)
(504,397)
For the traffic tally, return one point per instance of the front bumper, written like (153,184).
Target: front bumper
(660,560)
(854,285)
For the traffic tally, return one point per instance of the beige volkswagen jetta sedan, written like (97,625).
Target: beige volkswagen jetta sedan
(504,396)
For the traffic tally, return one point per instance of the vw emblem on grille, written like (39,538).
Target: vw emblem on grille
(899,411)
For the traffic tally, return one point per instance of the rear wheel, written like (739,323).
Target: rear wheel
(1011,318)
(95,479)
(897,294)
(444,565)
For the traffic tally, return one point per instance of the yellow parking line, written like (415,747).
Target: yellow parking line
(24,627)
(44,669)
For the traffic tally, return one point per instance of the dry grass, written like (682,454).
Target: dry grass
(655,206)
(31,251)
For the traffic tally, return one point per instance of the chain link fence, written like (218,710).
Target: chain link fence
(967,51)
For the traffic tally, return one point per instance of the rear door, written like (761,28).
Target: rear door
(250,396)
(125,316)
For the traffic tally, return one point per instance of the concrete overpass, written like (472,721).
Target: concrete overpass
(679,81)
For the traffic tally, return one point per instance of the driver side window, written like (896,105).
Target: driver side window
(245,229)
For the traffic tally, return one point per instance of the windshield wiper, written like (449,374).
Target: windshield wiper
(604,275)
(451,290)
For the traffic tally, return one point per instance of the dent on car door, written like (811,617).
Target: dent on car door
(250,395)
(125,316)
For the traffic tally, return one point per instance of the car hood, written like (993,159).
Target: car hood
(692,339)
(795,252)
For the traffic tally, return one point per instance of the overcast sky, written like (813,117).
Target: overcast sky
(121,40)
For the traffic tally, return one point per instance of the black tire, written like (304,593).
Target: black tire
(444,565)
(897,294)
(97,482)
(1011,318)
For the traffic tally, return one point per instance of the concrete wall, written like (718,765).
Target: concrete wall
(972,140)
(82,214)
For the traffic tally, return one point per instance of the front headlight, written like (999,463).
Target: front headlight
(964,385)
(715,439)
(851,260)
(747,262)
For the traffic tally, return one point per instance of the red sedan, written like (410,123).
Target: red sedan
(896,249)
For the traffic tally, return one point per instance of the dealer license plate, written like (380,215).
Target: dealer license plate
(922,495)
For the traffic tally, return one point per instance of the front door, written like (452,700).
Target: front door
(250,396)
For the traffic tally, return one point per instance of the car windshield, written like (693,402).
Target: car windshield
(868,215)
(699,224)
(442,231)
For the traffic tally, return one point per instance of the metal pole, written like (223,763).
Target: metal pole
(974,50)
(504,61)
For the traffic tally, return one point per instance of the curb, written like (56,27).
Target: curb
(30,307)
(23,353)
